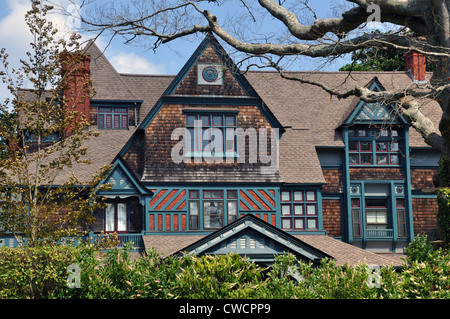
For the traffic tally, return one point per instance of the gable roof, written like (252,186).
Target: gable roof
(106,81)
(374,113)
(310,117)
(123,180)
(320,246)
(235,84)
(276,242)
(307,107)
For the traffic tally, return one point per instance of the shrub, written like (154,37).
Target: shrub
(419,249)
(34,272)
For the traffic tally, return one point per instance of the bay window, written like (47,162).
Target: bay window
(374,146)
(378,210)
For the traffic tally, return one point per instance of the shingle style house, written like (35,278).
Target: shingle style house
(311,175)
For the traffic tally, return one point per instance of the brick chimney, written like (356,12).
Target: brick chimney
(76,68)
(416,66)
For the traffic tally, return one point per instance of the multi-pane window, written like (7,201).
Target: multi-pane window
(376,214)
(373,146)
(375,210)
(299,209)
(211,133)
(212,207)
(401,217)
(112,118)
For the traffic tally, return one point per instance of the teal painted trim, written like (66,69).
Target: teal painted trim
(393,203)
(210,100)
(262,198)
(376,86)
(240,78)
(423,195)
(408,195)
(226,60)
(115,103)
(153,208)
(261,208)
(146,215)
(319,209)
(173,197)
(347,213)
(127,145)
(119,163)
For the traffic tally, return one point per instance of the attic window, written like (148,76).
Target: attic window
(209,74)
(112,118)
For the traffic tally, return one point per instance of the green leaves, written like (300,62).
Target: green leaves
(42,135)
(42,272)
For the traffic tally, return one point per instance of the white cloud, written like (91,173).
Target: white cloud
(132,63)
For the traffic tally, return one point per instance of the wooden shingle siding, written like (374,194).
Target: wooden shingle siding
(335,181)
(424,216)
(331,212)
(189,84)
(158,162)
(377,174)
(422,178)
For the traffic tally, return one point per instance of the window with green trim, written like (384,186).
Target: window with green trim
(211,134)
(299,209)
(112,118)
(375,146)
(212,208)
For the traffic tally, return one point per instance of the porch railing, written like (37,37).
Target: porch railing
(379,233)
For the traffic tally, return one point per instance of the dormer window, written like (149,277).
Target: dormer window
(112,118)
(374,146)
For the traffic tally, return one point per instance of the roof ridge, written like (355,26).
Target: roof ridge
(146,75)
(92,45)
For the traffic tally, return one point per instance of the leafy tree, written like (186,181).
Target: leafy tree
(374,59)
(44,138)
(378,59)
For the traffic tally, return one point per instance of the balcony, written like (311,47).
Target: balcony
(379,233)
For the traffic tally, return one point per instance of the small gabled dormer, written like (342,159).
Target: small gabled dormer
(374,134)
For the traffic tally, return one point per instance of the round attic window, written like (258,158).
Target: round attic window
(210,74)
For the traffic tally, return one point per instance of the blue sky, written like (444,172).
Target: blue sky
(14,36)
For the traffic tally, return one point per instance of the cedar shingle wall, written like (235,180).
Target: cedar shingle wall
(158,147)
(424,215)
(189,84)
(332,217)
(335,181)
(134,156)
(422,178)
(377,173)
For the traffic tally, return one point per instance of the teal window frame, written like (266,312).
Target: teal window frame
(202,126)
(397,215)
(298,209)
(120,113)
(198,199)
(368,146)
